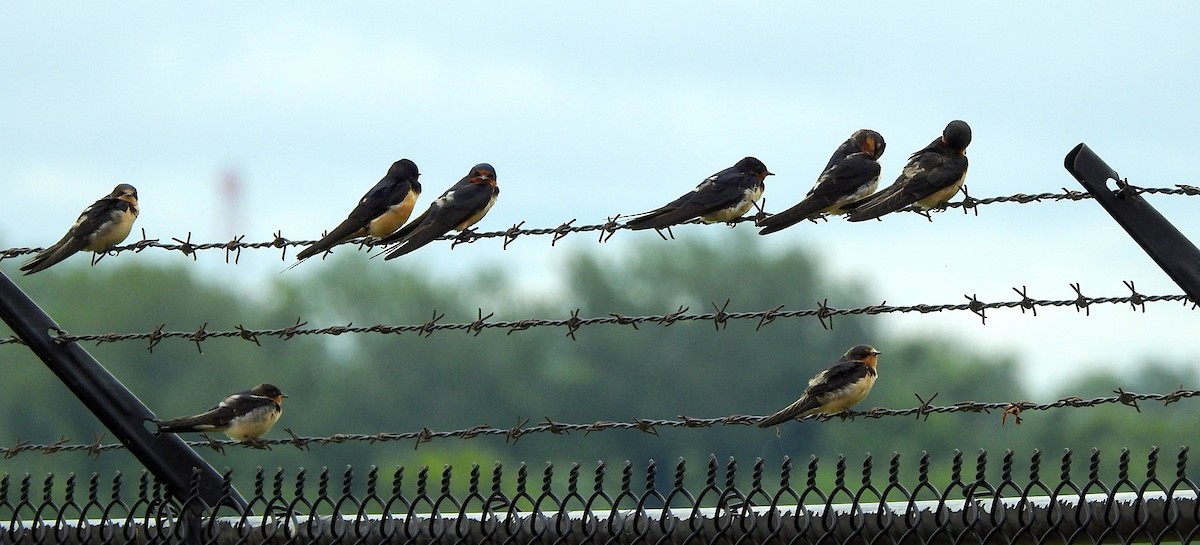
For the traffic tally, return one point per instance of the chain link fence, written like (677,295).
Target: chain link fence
(1039,500)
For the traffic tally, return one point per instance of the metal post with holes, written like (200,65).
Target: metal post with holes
(166,456)
(1173,252)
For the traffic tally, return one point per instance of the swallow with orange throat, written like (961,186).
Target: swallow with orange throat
(933,176)
(835,389)
(98,229)
(379,213)
(722,197)
(460,207)
(851,175)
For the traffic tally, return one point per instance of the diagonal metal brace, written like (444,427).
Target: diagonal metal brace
(167,457)
(1173,252)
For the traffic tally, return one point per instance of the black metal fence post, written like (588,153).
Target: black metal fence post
(166,456)
(1177,256)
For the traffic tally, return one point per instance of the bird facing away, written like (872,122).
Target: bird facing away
(460,207)
(379,213)
(851,175)
(835,389)
(244,416)
(101,226)
(933,175)
(724,196)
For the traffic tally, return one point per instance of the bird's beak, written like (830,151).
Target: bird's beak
(769,173)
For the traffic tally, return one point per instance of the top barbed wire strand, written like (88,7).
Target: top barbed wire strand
(606,230)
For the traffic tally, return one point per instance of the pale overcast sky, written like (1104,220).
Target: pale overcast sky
(587,110)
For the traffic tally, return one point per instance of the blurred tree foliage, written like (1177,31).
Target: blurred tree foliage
(451,380)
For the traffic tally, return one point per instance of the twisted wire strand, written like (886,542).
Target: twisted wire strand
(719,317)
(234,246)
(1011,409)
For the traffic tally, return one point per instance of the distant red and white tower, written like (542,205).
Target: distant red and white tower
(231,195)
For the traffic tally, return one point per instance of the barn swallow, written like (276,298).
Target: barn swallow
(101,226)
(933,175)
(379,213)
(244,416)
(460,207)
(835,389)
(724,196)
(851,175)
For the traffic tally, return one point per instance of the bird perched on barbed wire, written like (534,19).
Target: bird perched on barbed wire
(460,207)
(98,229)
(835,389)
(244,416)
(724,196)
(933,176)
(851,175)
(379,213)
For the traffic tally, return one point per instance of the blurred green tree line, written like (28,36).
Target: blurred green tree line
(374,383)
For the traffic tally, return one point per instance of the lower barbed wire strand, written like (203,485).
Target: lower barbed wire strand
(512,434)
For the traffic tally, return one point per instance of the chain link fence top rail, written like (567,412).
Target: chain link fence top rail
(1047,500)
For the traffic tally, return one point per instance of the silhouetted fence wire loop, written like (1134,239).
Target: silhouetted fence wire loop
(665,504)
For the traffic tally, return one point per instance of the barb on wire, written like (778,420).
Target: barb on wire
(977,306)
(522,427)
(825,312)
(1135,300)
(1026,302)
(573,324)
(1081,302)
(606,229)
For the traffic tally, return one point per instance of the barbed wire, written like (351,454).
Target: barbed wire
(1013,409)
(720,318)
(606,230)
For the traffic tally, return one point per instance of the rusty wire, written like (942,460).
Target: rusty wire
(1013,409)
(234,247)
(719,317)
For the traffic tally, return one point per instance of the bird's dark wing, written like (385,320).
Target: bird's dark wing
(450,211)
(217,418)
(839,182)
(386,193)
(842,374)
(836,378)
(412,225)
(715,193)
(433,210)
(797,408)
(64,248)
(925,174)
(214,420)
(92,220)
(846,177)
(651,219)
